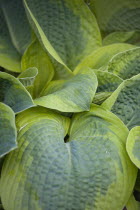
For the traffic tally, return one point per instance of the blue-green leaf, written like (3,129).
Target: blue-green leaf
(17,23)
(13,93)
(90,170)
(7,130)
(67,29)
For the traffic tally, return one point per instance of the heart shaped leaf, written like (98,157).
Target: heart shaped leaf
(13,93)
(7,130)
(86,172)
(73,95)
(76,30)
(133,145)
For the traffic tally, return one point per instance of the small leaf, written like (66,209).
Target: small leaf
(73,95)
(125,102)
(133,145)
(90,171)
(126,64)
(76,30)
(35,56)
(9,57)
(17,23)
(13,93)
(28,76)
(7,130)
(100,57)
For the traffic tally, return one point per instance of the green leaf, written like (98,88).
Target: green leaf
(132,204)
(9,57)
(116,15)
(101,56)
(90,171)
(73,95)
(100,97)
(17,23)
(126,64)
(107,82)
(125,102)
(133,145)
(13,93)
(28,76)
(132,37)
(35,56)
(7,130)
(76,30)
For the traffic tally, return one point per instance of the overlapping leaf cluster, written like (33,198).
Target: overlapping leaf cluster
(70,104)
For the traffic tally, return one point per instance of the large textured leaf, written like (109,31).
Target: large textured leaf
(126,64)
(67,29)
(35,56)
(132,37)
(90,171)
(13,93)
(9,57)
(125,102)
(101,56)
(117,15)
(7,130)
(133,145)
(73,95)
(17,23)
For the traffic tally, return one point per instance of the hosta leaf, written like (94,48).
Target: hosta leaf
(90,171)
(117,15)
(107,82)
(7,130)
(9,57)
(61,71)
(126,64)
(125,102)
(73,95)
(100,97)
(76,30)
(132,37)
(133,145)
(28,76)
(17,23)
(35,56)
(13,93)
(132,204)
(101,56)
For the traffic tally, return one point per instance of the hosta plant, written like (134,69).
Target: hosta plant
(69,104)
